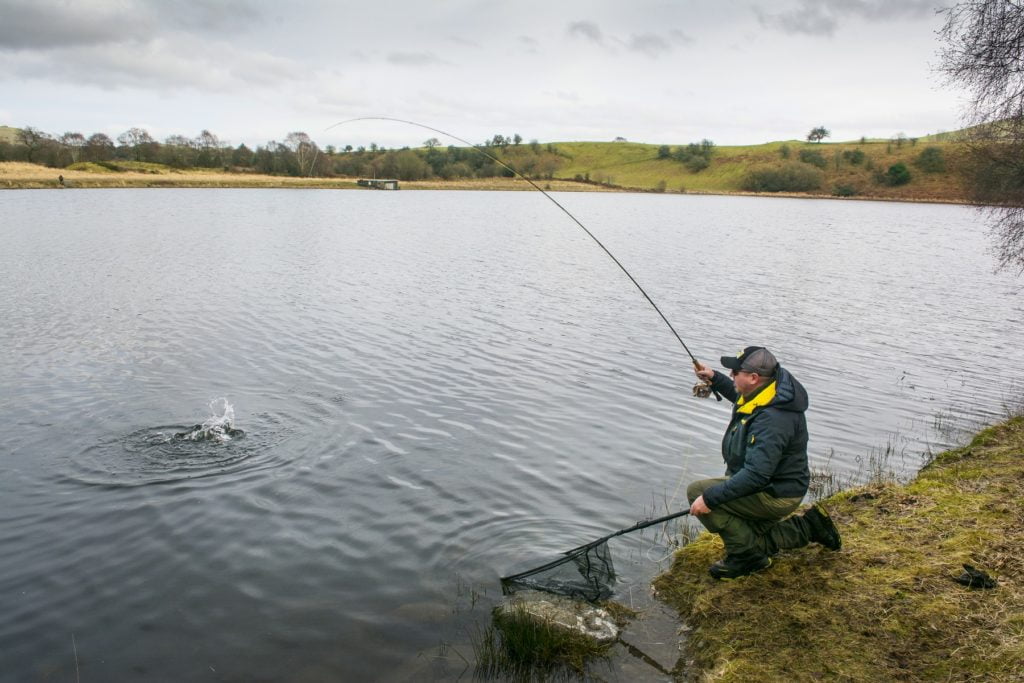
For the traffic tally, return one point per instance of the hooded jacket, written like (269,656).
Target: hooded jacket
(765,445)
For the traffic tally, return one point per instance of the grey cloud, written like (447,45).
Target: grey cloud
(464,42)
(821,17)
(650,44)
(413,58)
(31,25)
(528,44)
(680,38)
(588,30)
(810,21)
(208,15)
(42,25)
(160,65)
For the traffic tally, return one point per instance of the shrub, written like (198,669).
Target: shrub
(784,151)
(898,174)
(813,157)
(844,191)
(786,177)
(854,156)
(697,164)
(695,156)
(931,160)
(664,152)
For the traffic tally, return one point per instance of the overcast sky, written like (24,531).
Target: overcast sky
(555,70)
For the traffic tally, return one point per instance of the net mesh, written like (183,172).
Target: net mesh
(584,573)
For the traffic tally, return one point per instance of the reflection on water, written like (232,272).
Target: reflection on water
(433,388)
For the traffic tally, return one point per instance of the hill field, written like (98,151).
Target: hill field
(845,168)
(8,134)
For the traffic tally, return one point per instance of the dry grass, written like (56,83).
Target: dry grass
(621,171)
(15,174)
(885,608)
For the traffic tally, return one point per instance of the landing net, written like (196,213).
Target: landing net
(583,573)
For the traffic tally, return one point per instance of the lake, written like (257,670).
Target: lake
(435,387)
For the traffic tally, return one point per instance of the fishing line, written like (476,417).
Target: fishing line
(698,390)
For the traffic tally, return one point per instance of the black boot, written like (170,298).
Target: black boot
(735,566)
(823,531)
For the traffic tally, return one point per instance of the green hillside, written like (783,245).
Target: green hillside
(8,134)
(845,168)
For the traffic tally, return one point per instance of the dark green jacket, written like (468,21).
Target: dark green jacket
(765,450)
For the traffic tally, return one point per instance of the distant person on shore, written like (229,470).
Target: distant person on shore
(766,475)
(60,179)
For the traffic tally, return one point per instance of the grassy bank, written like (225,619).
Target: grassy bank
(21,175)
(884,608)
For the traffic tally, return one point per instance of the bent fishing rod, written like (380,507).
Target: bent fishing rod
(702,389)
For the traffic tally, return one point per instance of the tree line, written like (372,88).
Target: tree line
(296,155)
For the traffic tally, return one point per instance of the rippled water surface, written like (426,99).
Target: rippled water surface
(434,387)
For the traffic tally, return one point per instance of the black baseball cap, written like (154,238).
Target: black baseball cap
(752,359)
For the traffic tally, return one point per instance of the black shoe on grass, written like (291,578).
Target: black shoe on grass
(823,531)
(734,567)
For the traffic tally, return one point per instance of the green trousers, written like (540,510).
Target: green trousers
(755,525)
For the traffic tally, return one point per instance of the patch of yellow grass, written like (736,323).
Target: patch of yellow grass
(15,174)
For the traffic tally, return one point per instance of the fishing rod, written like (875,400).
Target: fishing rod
(702,389)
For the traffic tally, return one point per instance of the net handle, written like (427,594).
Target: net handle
(636,527)
(583,548)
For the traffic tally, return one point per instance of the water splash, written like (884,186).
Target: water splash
(175,452)
(219,427)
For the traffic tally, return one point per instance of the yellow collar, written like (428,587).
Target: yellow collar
(763,398)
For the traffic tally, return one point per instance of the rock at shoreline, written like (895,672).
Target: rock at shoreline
(572,616)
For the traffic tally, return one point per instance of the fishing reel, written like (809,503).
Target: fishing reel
(702,389)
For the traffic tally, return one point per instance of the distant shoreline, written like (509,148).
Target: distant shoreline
(25,176)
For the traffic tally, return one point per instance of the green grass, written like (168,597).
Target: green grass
(8,134)
(91,167)
(637,166)
(518,646)
(885,607)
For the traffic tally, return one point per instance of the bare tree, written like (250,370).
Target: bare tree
(305,151)
(99,147)
(136,138)
(73,143)
(984,54)
(207,140)
(33,139)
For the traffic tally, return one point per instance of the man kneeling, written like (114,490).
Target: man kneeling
(765,452)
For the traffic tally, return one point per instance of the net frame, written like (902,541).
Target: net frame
(593,562)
